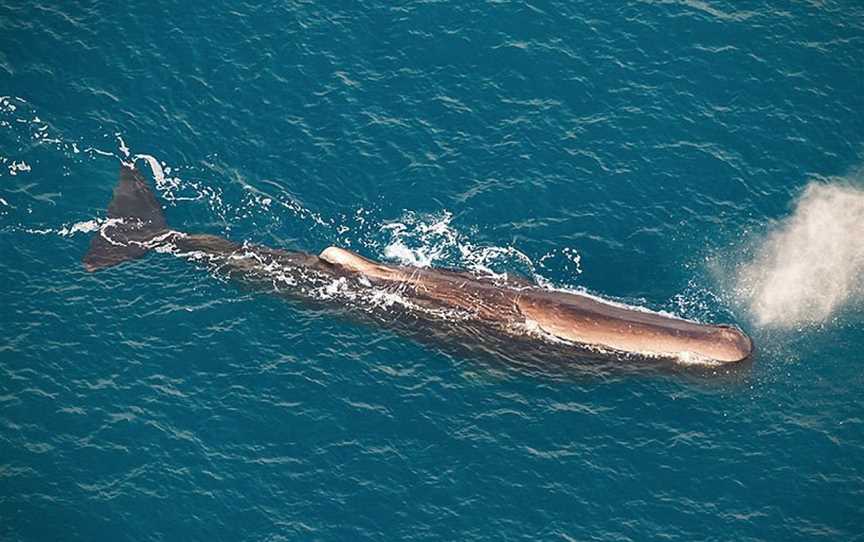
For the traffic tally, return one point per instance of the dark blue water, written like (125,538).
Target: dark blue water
(643,151)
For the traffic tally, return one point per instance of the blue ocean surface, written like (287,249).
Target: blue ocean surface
(698,157)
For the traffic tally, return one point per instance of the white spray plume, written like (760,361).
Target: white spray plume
(811,264)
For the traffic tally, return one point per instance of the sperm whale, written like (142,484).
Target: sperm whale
(510,308)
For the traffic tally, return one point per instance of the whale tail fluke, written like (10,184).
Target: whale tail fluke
(134,218)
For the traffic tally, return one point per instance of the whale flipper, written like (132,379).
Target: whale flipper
(137,218)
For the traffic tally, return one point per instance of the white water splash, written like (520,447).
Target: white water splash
(85,226)
(6,105)
(122,147)
(166,184)
(811,265)
(433,241)
(570,256)
(424,241)
(17,167)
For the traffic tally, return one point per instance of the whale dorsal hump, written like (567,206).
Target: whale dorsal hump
(354,262)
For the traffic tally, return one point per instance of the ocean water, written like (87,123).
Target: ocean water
(702,158)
